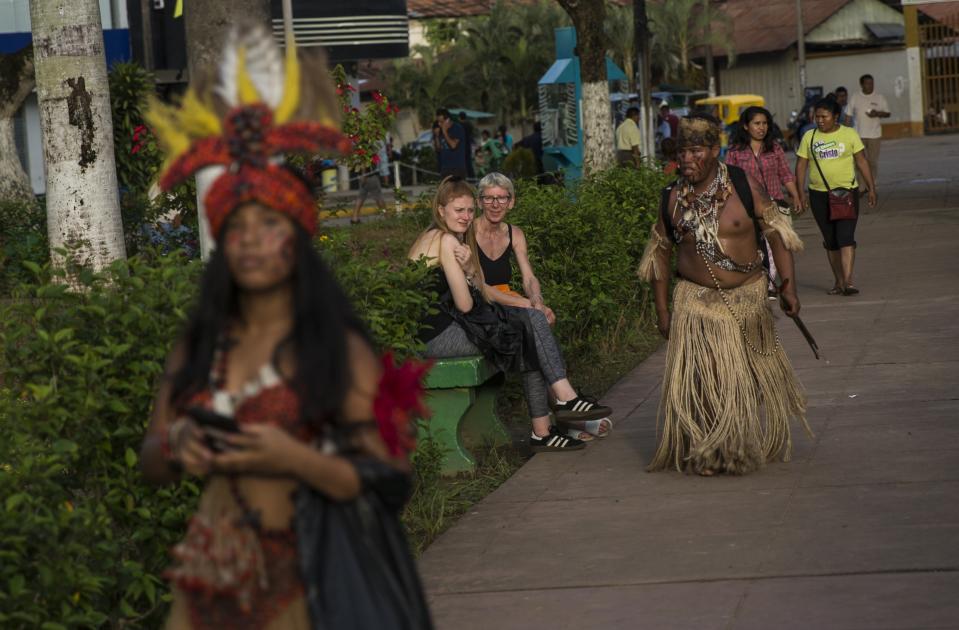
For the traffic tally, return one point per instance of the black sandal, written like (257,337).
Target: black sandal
(850,290)
(836,290)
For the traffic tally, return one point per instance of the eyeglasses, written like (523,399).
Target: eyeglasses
(499,200)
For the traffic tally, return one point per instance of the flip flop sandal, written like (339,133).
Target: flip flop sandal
(850,290)
(835,291)
(578,434)
(594,428)
(599,428)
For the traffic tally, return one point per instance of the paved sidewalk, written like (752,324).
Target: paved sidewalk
(859,531)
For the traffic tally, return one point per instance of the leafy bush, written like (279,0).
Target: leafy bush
(85,538)
(137,155)
(585,243)
(23,236)
(521,162)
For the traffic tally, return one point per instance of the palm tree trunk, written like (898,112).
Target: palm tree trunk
(588,17)
(208,22)
(83,209)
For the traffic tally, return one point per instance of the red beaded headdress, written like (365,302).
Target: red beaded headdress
(257,112)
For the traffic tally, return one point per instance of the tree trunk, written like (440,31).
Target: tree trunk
(643,79)
(83,210)
(208,22)
(588,17)
(16,83)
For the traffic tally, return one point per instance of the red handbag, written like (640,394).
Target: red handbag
(842,204)
(842,201)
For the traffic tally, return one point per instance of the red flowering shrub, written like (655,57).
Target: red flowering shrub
(367,128)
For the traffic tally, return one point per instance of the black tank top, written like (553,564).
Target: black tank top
(433,324)
(499,271)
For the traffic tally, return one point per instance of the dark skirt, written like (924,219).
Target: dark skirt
(504,335)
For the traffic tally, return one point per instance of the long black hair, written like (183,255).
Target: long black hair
(322,317)
(741,137)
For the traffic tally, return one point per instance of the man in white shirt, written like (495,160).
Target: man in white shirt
(868,108)
(628,139)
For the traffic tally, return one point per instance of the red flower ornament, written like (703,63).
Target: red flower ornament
(399,401)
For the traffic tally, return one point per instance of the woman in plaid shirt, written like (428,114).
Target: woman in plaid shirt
(754,150)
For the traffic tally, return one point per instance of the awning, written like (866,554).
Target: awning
(886,30)
(471,113)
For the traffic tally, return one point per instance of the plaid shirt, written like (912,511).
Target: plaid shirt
(769,169)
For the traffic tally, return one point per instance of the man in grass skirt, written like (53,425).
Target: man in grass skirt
(729,390)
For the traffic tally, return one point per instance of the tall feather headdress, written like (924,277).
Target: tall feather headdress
(258,108)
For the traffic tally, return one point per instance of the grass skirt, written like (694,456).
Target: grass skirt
(725,408)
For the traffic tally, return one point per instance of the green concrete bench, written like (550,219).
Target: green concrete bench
(461,393)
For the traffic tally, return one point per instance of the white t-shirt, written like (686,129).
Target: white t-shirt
(859,104)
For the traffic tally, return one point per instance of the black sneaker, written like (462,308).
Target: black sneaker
(554,441)
(580,408)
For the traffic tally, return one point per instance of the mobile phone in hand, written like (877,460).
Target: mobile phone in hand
(209,419)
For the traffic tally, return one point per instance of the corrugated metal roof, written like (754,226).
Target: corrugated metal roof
(770,25)
(941,10)
(419,9)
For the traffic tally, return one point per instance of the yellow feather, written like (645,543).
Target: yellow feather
(164,121)
(196,118)
(291,86)
(244,85)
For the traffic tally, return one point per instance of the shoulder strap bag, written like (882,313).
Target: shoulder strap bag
(842,201)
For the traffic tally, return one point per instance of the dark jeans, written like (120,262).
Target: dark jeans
(835,234)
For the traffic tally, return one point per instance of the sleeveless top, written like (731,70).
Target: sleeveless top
(432,324)
(499,271)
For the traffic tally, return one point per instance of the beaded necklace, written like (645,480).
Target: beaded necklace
(699,214)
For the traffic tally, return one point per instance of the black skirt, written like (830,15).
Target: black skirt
(503,334)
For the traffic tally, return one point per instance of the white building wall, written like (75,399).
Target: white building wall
(849,23)
(775,76)
(771,75)
(34,145)
(890,70)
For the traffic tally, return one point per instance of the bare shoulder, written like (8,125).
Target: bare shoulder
(365,372)
(425,246)
(519,236)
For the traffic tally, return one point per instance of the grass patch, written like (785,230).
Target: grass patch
(438,502)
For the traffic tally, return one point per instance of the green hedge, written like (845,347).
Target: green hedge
(84,539)
(585,243)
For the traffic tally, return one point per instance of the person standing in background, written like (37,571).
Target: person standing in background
(452,145)
(505,138)
(842,97)
(534,142)
(628,139)
(868,108)
(468,131)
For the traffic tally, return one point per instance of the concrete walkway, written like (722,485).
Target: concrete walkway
(859,531)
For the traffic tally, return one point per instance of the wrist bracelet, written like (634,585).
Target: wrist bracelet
(166,446)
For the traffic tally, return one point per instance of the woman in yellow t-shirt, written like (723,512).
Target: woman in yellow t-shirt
(836,151)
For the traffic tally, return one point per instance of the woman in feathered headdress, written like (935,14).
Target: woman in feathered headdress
(274,393)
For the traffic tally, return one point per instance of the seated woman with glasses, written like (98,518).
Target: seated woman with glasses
(470,317)
(499,242)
